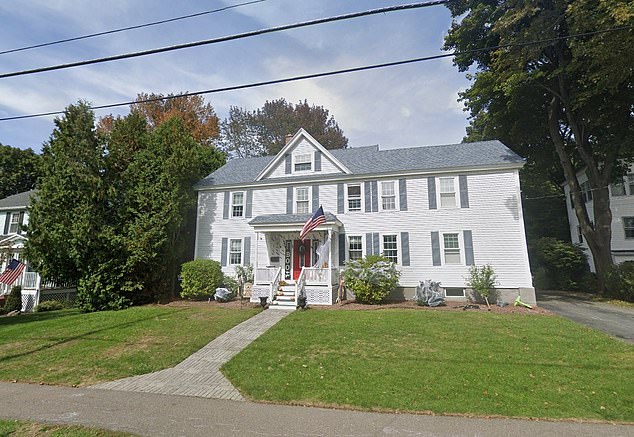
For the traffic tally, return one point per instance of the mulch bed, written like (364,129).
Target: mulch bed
(354,306)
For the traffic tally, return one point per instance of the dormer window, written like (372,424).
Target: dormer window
(303,162)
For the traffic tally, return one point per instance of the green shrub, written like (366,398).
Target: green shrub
(200,278)
(246,272)
(104,290)
(14,301)
(483,281)
(559,265)
(49,305)
(230,284)
(620,281)
(371,279)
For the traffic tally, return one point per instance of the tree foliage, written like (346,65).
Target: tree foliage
(116,207)
(255,133)
(19,170)
(565,103)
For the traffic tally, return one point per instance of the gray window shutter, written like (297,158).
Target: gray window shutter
(287,163)
(289,200)
(431,192)
(223,252)
(464,191)
(367,189)
(225,209)
(368,244)
(435,248)
(402,191)
(375,197)
(376,249)
(315,197)
(342,249)
(468,248)
(249,209)
(246,259)
(7,222)
(317,160)
(405,248)
(340,199)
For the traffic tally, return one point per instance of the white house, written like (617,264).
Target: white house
(434,211)
(14,218)
(622,207)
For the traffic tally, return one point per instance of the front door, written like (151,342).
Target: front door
(301,256)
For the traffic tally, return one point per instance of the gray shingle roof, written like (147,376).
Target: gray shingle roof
(371,160)
(18,201)
(278,219)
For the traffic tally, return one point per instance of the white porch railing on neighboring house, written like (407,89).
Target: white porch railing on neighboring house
(30,280)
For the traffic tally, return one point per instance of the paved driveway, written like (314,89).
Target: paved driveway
(579,307)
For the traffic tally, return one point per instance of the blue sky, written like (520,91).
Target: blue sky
(393,107)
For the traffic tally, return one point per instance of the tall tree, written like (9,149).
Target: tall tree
(19,170)
(263,131)
(199,117)
(572,97)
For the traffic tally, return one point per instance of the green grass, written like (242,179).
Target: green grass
(442,362)
(15,428)
(71,348)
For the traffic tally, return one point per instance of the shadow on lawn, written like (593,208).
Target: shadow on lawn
(80,336)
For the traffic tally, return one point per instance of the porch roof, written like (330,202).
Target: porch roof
(291,221)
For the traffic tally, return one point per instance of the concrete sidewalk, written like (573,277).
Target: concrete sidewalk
(199,375)
(151,414)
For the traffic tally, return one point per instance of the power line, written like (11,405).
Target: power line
(123,29)
(227,38)
(329,73)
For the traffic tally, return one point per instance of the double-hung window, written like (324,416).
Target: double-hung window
(303,162)
(388,196)
(586,191)
(355,247)
(390,248)
(354,197)
(235,251)
(628,227)
(237,204)
(447,192)
(301,200)
(14,226)
(452,248)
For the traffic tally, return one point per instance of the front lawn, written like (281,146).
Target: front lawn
(442,362)
(17,428)
(71,348)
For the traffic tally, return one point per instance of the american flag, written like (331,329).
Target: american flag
(12,272)
(317,219)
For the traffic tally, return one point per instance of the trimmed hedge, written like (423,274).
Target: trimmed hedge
(200,278)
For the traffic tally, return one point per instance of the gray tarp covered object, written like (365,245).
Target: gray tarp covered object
(428,293)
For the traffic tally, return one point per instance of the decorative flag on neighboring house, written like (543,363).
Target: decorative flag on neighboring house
(12,272)
(317,219)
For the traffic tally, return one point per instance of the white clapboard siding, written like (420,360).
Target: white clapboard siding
(494,217)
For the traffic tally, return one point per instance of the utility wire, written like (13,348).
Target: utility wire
(227,38)
(123,29)
(329,73)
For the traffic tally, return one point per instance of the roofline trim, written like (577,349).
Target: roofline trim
(364,176)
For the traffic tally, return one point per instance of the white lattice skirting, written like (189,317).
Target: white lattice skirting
(260,291)
(319,295)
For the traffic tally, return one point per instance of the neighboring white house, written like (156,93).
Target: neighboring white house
(622,207)
(14,218)
(433,210)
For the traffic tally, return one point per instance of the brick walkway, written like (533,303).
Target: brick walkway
(199,374)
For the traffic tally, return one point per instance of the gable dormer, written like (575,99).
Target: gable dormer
(302,156)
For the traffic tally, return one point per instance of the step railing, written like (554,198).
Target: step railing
(266,275)
(275,282)
(317,276)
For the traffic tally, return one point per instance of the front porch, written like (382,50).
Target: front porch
(287,267)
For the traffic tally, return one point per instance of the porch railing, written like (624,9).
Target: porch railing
(265,275)
(317,276)
(29,280)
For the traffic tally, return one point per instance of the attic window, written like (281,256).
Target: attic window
(303,162)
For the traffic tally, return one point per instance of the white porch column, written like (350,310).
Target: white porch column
(330,261)
(257,244)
